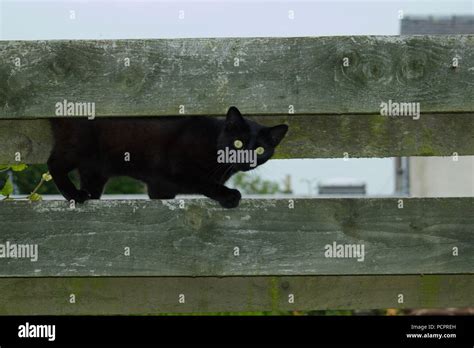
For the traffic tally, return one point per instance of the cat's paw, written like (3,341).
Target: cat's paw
(231,199)
(80,196)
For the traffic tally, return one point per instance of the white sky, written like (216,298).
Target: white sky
(46,20)
(160,19)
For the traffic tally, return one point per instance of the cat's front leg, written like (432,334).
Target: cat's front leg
(227,198)
(231,198)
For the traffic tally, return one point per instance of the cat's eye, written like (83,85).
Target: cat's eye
(238,144)
(259,150)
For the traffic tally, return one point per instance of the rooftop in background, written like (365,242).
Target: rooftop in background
(437,25)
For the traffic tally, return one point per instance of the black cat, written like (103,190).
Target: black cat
(172,155)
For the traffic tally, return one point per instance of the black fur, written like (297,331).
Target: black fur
(172,155)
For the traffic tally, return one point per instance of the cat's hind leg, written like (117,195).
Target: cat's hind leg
(92,181)
(59,167)
(161,189)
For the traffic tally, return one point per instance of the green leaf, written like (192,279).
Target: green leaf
(19,167)
(4,167)
(7,189)
(35,197)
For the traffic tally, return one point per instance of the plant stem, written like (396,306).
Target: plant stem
(37,187)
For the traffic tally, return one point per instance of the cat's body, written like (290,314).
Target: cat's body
(172,155)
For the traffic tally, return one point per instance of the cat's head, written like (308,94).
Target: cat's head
(240,133)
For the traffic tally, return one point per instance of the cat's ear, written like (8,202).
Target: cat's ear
(277,133)
(234,118)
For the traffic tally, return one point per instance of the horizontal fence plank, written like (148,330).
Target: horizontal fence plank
(259,75)
(145,296)
(426,236)
(308,137)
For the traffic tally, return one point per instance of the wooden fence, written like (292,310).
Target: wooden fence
(148,257)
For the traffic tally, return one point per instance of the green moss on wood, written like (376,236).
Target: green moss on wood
(430,290)
(200,74)
(274,290)
(151,296)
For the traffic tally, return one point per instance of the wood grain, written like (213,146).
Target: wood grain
(149,296)
(203,75)
(271,238)
(321,136)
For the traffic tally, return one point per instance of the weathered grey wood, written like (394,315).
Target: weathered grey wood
(273,239)
(144,296)
(32,139)
(309,137)
(272,74)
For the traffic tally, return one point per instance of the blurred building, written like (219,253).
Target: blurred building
(437,25)
(341,186)
(436,176)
